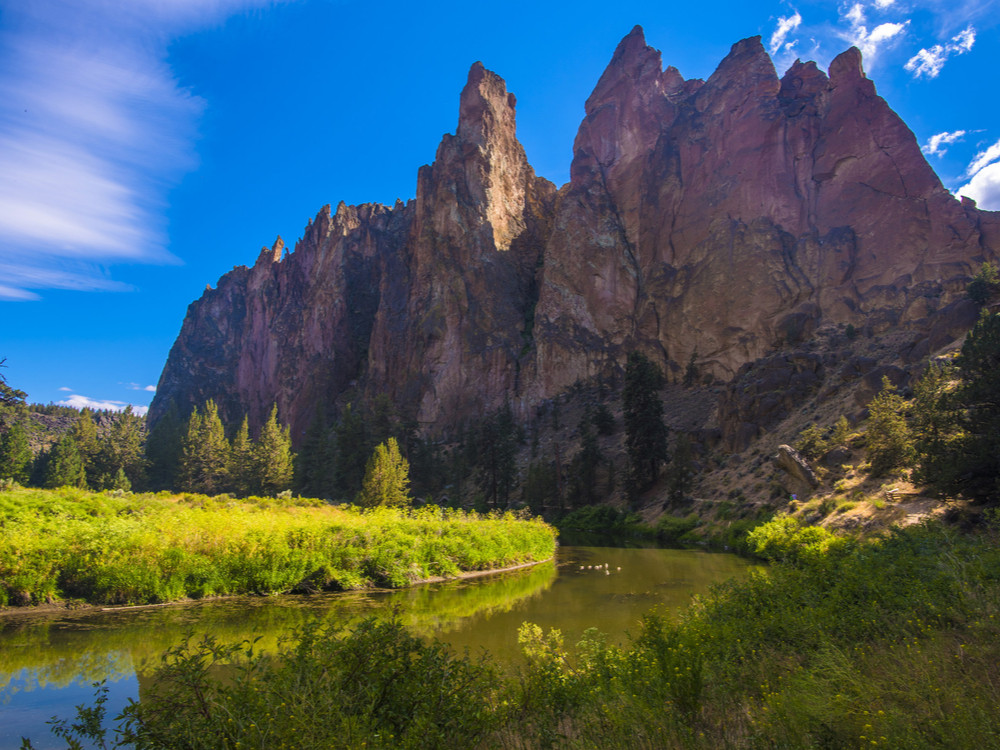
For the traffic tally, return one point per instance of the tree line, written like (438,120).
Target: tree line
(477,465)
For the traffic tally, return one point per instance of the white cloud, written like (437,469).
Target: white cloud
(883,4)
(95,130)
(785,27)
(79,401)
(984,183)
(64,388)
(929,61)
(983,159)
(935,145)
(137,387)
(870,42)
(984,188)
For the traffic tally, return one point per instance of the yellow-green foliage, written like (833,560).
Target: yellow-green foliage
(157,548)
(892,643)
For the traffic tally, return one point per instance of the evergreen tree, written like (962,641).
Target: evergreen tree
(163,450)
(934,427)
(119,462)
(386,480)
(645,431)
(205,453)
(890,445)
(540,486)
(352,453)
(15,454)
(315,459)
(497,449)
(85,434)
(10,398)
(585,463)
(984,284)
(64,465)
(242,469)
(272,457)
(978,396)
(680,475)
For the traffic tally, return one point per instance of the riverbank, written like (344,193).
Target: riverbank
(888,642)
(71,546)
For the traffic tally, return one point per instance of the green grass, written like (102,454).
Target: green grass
(137,549)
(840,643)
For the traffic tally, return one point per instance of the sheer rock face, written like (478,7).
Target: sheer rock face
(732,216)
(727,218)
(450,339)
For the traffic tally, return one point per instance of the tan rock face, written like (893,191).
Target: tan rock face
(729,217)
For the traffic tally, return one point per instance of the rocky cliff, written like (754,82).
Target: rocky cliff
(722,220)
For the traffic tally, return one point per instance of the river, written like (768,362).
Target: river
(49,661)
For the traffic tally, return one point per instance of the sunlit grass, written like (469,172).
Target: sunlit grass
(70,543)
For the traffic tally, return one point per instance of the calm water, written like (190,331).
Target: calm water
(48,663)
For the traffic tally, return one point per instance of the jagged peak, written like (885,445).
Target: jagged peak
(271,254)
(847,66)
(485,104)
(633,61)
(747,60)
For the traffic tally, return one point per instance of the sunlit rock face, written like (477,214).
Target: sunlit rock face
(726,218)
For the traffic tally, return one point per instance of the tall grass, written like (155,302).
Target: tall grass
(69,543)
(893,643)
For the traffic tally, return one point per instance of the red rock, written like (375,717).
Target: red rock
(730,217)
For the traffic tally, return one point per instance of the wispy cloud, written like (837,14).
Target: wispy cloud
(137,387)
(64,388)
(983,159)
(930,61)
(786,25)
(984,179)
(935,145)
(870,42)
(94,129)
(79,401)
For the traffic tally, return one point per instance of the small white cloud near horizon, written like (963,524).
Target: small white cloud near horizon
(137,387)
(935,145)
(930,61)
(984,179)
(79,401)
(785,27)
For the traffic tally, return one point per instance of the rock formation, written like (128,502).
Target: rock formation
(726,218)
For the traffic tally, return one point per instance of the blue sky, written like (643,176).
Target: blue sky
(148,146)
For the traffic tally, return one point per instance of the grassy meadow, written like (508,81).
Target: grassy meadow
(892,642)
(118,548)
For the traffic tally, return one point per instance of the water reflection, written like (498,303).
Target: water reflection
(48,661)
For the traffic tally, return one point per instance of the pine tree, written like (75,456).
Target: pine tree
(386,480)
(163,450)
(85,434)
(890,445)
(497,450)
(64,465)
(272,457)
(120,452)
(585,463)
(645,431)
(314,461)
(205,453)
(242,469)
(978,396)
(352,453)
(15,454)
(680,474)
(935,428)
